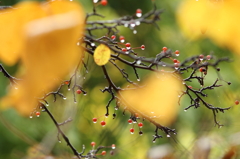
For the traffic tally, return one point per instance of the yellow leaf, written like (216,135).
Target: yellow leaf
(102,54)
(217,20)
(49,50)
(157,99)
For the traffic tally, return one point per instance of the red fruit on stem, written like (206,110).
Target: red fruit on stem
(130,121)
(209,57)
(78,91)
(66,82)
(236,102)
(143,47)
(140,125)
(38,114)
(103,123)
(164,48)
(104,2)
(93,144)
(138,11)
(113,146)
(132,130)
(124,49)
(94,120)
(113,37)
(103,153)
(175,60)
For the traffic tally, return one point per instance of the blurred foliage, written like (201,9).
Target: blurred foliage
(20,135)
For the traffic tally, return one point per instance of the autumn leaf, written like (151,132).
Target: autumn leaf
(217,20)
(157,99)
(101,54)
(48,34)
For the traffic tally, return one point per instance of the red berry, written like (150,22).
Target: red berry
(122,39)
(94,120)
(140,125)
(113,37)
(124,49)
(132,130)
(138,11)
(113,146)
(103,123)
(177,52)
(78,91)
(175,60)
(236,102)
(176,65)
(103,153)
(201,56)
(66,82)
(136,115)
(130,121)
(209,57)
(38,114)
(104,2)
(164,48)
(201,69)
(93,144)
(127,44)
(143,47)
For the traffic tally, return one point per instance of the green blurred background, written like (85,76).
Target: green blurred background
(22,137)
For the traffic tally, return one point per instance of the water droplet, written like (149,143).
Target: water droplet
(92,44)
(220,126)
(84,78)
(201,59)
(43,110)
(69,89)
(138,15)
(139,62)
(132,132)
(95,122)
(127,52)
(134,121)
(116,108)
(134,31)
(137,22)
(175,133)
(122,41)
(85,94)
(38,115)
(128,48)
(75,102)
(185,110)
(47,104)
(183,83)
(138,79)
(126,25)
(154,141)
(30,116)
(132,24)
(177,54)
(176,68)
(168,135)
(95,1)
(59,141)
(64,98)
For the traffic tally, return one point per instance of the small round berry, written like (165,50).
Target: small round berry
(236,102)
(113,146)
(201,56)
(124,49)
(136,115)
(38,114)
(202,69)
(128,45)
(113,37)
(218,69)
(104,2)
(94,120)
(140,125)
(93,144)
(111,152)
(130,121)
(175,60)
(140,133)
(143,47)
(176,65)
(164,48)
(122,39)
(66,82)
(139,13)
(132,130)
(103,123)
(103,153)
(209,57)
(78,91)
(177,52)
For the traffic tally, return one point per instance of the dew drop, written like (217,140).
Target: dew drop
(168,135)
(47,104)
(64,98)
(138,79)
(177,54)
(137,22)
(95,1)
(122,41)
(134,31)
(132,24)
(154,141)
(138,15)
(132,132)
(185,110)
(85,94)
(92,44)
(75,102)
(134,121)
(38,115)
(59,141)
(128,48)
(69,89)
(139,62)
(126,25)
(30,116)
(116,108)
(127,52)
(220,126)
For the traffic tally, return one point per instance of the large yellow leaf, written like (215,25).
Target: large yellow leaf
(217,20)
(157,99)
(101,54)
(48,33)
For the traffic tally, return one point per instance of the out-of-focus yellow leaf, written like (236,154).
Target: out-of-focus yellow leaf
(157,99)
(101,54)
(49,33)
(217,20)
